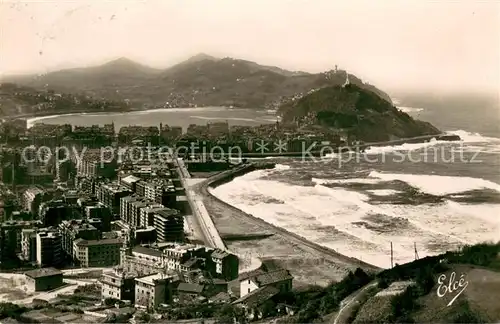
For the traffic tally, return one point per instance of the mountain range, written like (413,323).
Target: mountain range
(201,80)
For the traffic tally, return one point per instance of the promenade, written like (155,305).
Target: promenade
(211,236)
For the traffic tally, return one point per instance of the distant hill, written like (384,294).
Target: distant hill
(23,101)
(356,110)
(202,80)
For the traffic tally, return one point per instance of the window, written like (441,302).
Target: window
(248,281)
(248,290)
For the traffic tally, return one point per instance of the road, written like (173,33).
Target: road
(348,305)
(210,234)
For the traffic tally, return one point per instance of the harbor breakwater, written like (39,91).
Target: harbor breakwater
(228,176)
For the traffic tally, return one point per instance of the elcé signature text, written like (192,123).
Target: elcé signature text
(451,286)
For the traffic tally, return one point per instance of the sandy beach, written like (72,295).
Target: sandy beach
(308,264)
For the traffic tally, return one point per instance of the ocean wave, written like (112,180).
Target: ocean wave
(403,147)
(436,184)
(282,167)
(383,192)
(348,222)
(469,137)
(410,109)
(345,181)
(224,118)
(489,144)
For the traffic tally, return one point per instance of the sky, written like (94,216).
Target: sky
(394,44)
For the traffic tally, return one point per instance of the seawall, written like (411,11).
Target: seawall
(228,176)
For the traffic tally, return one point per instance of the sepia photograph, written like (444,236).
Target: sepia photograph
(249,161)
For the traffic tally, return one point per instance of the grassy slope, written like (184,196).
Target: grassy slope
(479,301)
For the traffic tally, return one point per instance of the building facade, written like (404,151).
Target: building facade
(44,279)
(48,247)
(152,290)
(97,253)
(118,285)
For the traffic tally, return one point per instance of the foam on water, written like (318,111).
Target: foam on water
(403,147)
(224,118)
(469,137)
(281,167)
(487,144)
(410,109)
(346,221)
(436,184)
(383,192)
(344,181)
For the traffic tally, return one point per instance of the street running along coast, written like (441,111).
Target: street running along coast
(211,201)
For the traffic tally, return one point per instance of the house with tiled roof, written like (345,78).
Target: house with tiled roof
(278,278)
(225,265)
(254,302)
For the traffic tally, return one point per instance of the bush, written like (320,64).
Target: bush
(403,305)
(111,301)
(11,310)
(466,315)
(317,302)
(228,314)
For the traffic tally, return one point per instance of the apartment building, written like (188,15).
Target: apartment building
(142,260)
(159,190)
(147,214)
(99,211)
(31,199)
(76,229)
(97,253)
(109,194)
(174,255)
(28,244)
(92,164)
(118,285)
(169,225)
(48,247)
(225,265)
(11,237)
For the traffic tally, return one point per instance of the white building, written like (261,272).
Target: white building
(251,281)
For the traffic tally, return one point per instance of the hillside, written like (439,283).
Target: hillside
(408,293)
(359,112)
(21,101)
(202,80)
(478,266)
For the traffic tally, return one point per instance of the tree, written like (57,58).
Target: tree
(269,308)
(228,314)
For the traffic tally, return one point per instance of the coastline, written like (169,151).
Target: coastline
(33,117)
(335,260)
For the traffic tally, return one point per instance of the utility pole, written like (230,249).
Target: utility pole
(392,257)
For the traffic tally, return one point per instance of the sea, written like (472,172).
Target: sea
(416,199)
